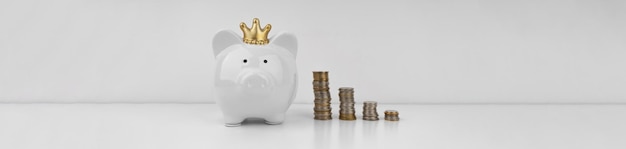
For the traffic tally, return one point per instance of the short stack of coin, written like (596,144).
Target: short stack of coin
(322,110)
(346,105)
(369,111)
(391,115)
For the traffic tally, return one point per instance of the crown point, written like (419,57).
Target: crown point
(267,27)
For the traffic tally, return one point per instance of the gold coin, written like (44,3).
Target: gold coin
(323,118)
(347,118)
(320,75)
(392,119)
(321,101)
(368,102)
(323,109)
(320,83)
(392,112)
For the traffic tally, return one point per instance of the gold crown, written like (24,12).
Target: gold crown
(255,35)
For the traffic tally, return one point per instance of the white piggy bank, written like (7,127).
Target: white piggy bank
(254,80)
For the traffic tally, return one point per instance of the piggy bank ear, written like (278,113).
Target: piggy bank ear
(287,41)
(224,39)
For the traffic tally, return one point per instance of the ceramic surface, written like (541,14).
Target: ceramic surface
(254,81)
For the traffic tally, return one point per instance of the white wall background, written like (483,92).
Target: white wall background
(502,51)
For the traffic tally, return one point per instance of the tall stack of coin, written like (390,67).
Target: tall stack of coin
(322,96)
(346,105)
(391,115)
(369,111)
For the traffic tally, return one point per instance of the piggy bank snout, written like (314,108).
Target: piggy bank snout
(255,81)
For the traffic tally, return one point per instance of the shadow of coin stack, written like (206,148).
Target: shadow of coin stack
(322,110)
(369,111)
(346,105)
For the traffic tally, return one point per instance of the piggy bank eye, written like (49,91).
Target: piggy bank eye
(245,60)
(265,61)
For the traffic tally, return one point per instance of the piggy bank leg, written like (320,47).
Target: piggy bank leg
(233,121)
(275,119)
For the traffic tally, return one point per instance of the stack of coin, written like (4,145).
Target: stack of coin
(369,111)
(322,96)
(391,115)
(346,105)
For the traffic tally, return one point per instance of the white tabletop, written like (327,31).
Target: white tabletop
(189,126)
